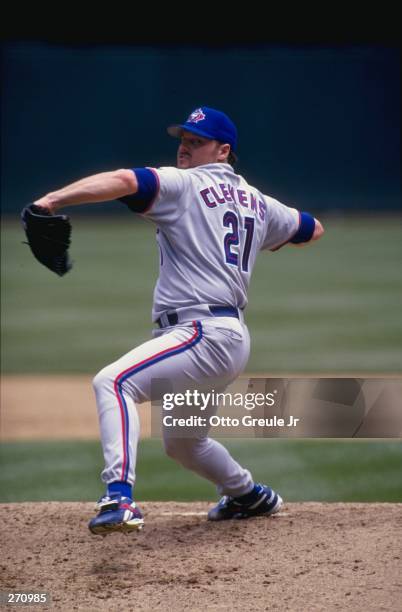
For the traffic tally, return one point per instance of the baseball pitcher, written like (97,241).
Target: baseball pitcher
(211,224)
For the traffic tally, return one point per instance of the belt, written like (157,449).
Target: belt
(200,311)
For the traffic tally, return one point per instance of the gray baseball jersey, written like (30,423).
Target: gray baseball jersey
(211,225)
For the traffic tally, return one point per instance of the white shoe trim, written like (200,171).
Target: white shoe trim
(258,502)
(277,506)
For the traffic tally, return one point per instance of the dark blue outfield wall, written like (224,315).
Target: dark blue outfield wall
(318,127)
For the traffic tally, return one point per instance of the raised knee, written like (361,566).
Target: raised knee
(103,378)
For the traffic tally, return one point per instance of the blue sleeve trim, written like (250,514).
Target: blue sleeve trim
(147,190)
(306,229)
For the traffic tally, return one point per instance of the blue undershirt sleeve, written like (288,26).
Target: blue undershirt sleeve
(147,191)
(306,229)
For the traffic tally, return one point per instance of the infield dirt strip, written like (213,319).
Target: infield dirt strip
(58,407)
(41,407)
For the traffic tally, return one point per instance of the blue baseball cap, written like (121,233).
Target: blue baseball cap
(209,123)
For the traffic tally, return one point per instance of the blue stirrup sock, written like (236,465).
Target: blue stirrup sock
(120,487)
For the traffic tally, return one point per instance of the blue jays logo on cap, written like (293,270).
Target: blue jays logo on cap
(196,116)
(209,123)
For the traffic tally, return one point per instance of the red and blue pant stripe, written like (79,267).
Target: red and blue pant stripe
(138,367)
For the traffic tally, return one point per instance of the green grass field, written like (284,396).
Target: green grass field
(330,307)
(301,470)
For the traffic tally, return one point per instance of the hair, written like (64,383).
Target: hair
(232,159)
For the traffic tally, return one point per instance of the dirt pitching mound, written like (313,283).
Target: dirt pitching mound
(311,556)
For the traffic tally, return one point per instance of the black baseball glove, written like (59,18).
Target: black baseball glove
(49,237)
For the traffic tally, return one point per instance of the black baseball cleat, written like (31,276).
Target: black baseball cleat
(261,501)
(116,513)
